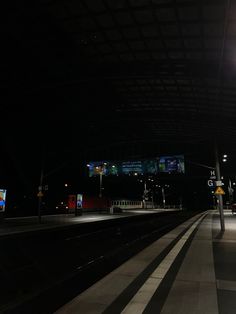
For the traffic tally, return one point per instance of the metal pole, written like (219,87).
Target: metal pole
(144,194)
(100,189)
(164,198)
(180,203)
(231,191)
(220,198)
(40,196)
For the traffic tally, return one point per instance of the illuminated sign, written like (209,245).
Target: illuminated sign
(168,164)
(132,167)
(104,168)
(172,164)
(79,201)
(2,200)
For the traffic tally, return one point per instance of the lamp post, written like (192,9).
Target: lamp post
(163,197)
(40,195)
(220,199)
(231,193)
(145,192)
(40,188)
(101,169)
(100,184)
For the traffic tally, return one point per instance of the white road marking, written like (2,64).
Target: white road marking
(139,302)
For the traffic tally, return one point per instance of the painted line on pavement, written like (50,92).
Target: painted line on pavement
(141,299)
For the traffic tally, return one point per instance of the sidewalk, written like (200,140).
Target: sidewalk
(26,224)
(189,270)
(224,249)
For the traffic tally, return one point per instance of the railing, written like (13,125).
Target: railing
(127,204)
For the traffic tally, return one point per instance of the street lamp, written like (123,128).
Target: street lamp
(163,193)
(101,170)
(163,197)
(100,184)
(145,194)
(224,157)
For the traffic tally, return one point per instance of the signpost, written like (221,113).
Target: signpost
(40,194)
(212,175)
(79,205)
(219,191)
(210,183)
(220,199)
(2,199)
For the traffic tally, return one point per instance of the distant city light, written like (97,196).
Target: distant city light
(234,183)
(66,184)
(225,156)
(113,166)
(224,160)
(88,165)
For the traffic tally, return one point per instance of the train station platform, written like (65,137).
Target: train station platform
(11,226)
(191,269)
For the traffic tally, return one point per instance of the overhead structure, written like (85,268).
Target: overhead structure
(118,72)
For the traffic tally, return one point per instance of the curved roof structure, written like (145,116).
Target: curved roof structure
(121,72)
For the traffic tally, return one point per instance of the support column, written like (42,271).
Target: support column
(220,198)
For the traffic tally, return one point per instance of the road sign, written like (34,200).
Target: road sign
(212,175)
(40,194)
(219,183)
(210,183)
(219,191)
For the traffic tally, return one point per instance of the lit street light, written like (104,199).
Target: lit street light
(100,170)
